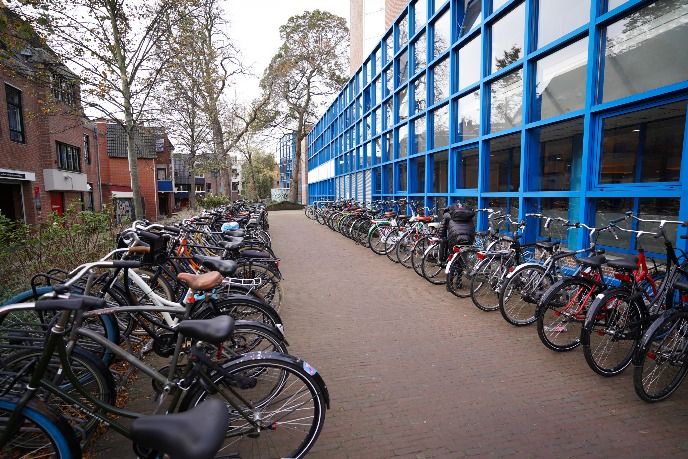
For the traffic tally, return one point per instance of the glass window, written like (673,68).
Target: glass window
(419,52)
(468,117)
(441,33)
(419,94)
(402,68)
(440,172)
(472,16)
(553,23)
(389,147)
(506,205)
(388,114)
(389,81)
(402,146)
(368,130)
(420,14)
(418,170)
(87,150)
(402,105)
(560,156)
(378,121)
(505,163)
(643,146)
(440,127)
(560,81)
(507,39)
(469,63)
(497,4)
(389,52)
(68,157)
(611,4)
(15,114)
(506,101)
(403,29)
(378,180)
(419,135)
(468,166)
(389,179)
(637,46)
(378,90)
(402,176)
(367,155)
(440,75)
(377,143)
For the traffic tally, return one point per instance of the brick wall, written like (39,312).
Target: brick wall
(355,36)
(392,10)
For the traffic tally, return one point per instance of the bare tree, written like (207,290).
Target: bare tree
(113,47)
(309,66)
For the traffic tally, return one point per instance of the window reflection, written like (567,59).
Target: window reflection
(506,102)
(378,180)
(552,24)
(389,179)
(468,117)
(403,32)
(472,16)
(402,101)
(643,146)
(440,126)
(611,4)
(507,39)
(505,163)
(419,95)
(469,63)
(506,205)
(641,43)
(419,52)
(402,146)
(440,74)
(560,156)
(401,176)
(389,147)
(418,170)
(388,114)
(560,81)
(467,165)
(377,143)
(419,134)
(442,33)
(497,4)
(420,14)
(440,174)
(402,68)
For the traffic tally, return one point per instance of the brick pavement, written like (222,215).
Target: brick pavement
(414,372)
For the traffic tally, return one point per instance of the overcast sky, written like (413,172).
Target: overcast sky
(254,29)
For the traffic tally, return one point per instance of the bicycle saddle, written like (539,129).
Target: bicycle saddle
(201,282)
(624,264)
(214,331)
(594,262)
(194,434)
(224,267)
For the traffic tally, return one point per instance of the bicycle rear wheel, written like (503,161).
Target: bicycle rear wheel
(286,400)
(485,284)
(519,296)
(432,265)
(663,361)
(611,332)
(460,272)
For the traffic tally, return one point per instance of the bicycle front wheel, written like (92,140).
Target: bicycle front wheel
(460,271)
(41,433)
(519,296)
(561,313)
(286,401)
(611,332)
(485,284)
(663,359)
(432,265)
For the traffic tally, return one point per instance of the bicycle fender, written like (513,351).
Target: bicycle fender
(590,319)
(451,262)
(645,340)
(289,359)
(521,266)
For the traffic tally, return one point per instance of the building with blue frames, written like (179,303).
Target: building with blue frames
(569,108)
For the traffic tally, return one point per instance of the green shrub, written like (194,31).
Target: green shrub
(211,201)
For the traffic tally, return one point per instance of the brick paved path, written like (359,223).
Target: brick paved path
(414,372)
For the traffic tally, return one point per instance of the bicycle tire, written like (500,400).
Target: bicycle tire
(661,362)
(417,253)
(377,238)
(43,432)
(91,373)
(561,313)
(611,332)
(241,307)
(286,396)
(432,265)
(460,272)
(270,290)
(391,244)
(485,284)
(518,297)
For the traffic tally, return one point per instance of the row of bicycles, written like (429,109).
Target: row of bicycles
(204,296)
(621,310)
